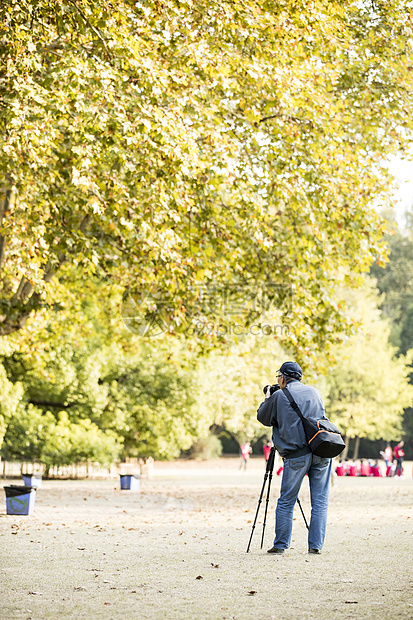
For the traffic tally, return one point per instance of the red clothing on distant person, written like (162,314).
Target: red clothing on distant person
(267,450)
(353,470)
(398,452)
(365,469)
(340,470)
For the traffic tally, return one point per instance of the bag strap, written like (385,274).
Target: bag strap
(293,403)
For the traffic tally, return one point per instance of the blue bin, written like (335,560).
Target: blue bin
(129,482)
(32,480)
(20,499)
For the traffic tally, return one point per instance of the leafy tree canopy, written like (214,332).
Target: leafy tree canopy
(171,147)
(89,380)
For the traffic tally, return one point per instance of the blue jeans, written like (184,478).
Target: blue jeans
(319,471)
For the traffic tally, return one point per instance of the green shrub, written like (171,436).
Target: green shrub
(206,448)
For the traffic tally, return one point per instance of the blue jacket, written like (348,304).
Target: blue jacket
(288,431)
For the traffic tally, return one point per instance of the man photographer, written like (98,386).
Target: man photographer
(290,440)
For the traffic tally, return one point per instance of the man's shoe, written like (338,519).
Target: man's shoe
(317,551)
(276,550)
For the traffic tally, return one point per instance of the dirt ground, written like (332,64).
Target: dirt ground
(176,549)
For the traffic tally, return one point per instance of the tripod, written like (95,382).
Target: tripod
(268,476)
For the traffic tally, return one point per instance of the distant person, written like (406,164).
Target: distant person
(387,455)
(346,467)
(375,469)
(399,455)
(245,455)
(353,470)
(340,469)
(364,468)
(267,449)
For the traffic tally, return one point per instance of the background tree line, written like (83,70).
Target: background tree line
(90,390)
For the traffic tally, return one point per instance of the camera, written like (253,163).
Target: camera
(273,388)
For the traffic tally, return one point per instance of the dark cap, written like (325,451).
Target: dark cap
(291,370)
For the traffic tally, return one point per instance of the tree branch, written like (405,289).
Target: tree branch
(97,33)
(4,207)
(293,119)
(48,403)
(266,118)
(54,45)
(84,222)
(19,291)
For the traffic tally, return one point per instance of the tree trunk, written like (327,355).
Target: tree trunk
(356,448)
(343,455)
(4,207)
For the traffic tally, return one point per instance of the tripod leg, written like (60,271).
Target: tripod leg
(266,509)
(302,512)
(258,508)
(270,468)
